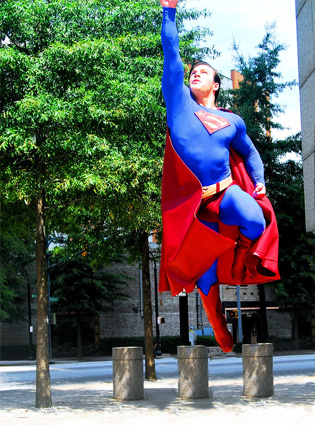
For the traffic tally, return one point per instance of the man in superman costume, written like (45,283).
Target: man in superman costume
(218,225)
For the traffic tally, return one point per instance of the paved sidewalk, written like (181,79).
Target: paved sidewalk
(293,403)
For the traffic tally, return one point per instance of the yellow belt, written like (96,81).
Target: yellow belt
(216,187)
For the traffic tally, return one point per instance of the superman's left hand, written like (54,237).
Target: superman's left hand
(260,191)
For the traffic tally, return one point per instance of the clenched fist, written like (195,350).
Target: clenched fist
(260,191)
(169,3)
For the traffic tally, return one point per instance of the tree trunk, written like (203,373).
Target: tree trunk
(263,314)
(43,389)
(147,306)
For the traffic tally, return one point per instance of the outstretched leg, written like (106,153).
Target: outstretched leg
(208,288)
(213,308)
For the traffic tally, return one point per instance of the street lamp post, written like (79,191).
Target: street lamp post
(158,351)
(30,327)
(239,310)
(183,318)
(48,242)
(49,307)
(197,311)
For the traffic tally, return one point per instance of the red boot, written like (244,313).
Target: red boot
(213,308)
(238,267)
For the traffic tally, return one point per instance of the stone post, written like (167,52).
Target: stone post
(193,372)
(257,370)
(128,373)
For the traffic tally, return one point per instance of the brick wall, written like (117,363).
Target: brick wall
(127,319)
(279,323)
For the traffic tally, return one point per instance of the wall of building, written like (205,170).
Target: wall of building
(126,319)
(16,333)
(279,323)
(305,17)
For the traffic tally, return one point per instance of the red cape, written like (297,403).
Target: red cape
(189,247)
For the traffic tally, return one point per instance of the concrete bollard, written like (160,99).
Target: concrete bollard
(193,372)
(257,370)
(128,373)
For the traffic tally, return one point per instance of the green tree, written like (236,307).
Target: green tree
(82,125)
(255,99)
(297,259)
(84,291)
(255,102)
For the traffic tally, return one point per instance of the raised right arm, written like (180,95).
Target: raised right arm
(173,74)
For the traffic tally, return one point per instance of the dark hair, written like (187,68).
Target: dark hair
(216,78)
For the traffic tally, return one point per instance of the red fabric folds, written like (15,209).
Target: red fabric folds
(189,248)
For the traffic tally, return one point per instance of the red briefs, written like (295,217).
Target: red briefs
(209,208)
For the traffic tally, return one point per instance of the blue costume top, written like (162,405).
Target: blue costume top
(207,155)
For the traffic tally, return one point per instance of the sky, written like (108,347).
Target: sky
(245,21)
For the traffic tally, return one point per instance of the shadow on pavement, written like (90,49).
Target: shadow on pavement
(161,396)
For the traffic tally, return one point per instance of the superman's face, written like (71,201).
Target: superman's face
(201,81)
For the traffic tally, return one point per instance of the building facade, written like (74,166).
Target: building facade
(305,18)
(126,319)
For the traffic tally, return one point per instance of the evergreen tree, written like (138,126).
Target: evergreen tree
(81,290)
(255,102)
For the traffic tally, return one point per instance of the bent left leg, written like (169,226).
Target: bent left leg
(239,208)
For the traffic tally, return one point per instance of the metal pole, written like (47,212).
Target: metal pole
(183,318)
(48,291)
(30,328)
(141,291)
(48,305)
(197,310)
(239,313)
(158,351)
(200,314)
